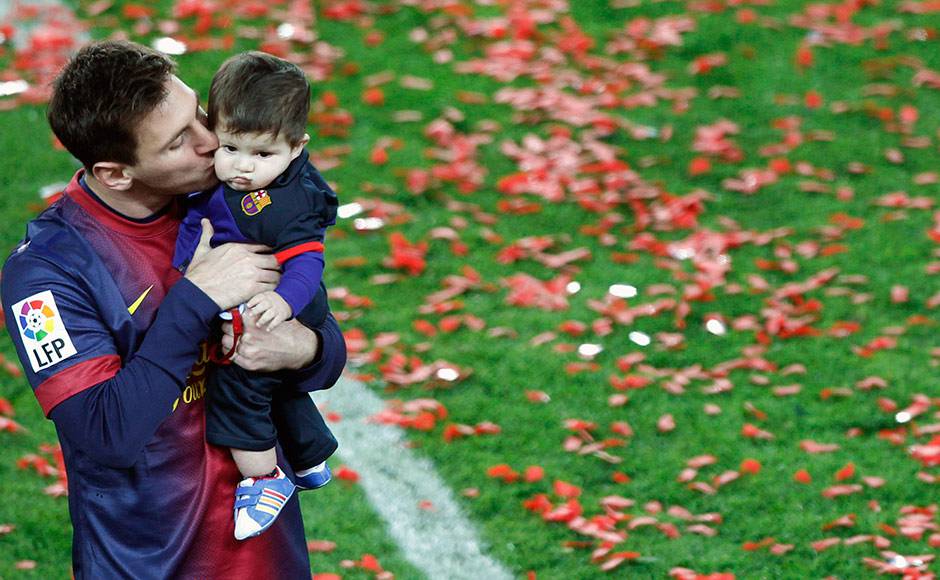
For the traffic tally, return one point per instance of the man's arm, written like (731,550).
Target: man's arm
(105,406)
(112,420)
(325,370)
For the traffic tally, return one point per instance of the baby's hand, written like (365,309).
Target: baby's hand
(270,309)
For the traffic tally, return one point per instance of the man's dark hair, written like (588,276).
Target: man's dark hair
(102,94)
(255,92)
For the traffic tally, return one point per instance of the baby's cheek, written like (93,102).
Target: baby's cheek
(220,162)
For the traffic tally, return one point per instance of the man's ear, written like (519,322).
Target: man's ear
(294,152)
(113,175)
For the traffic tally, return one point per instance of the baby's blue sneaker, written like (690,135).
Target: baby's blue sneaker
(258,502)
(313,478)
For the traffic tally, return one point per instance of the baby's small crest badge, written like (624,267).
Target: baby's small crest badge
(254,202)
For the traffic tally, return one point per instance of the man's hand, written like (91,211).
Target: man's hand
(293,346)
(231,273)
(270,309)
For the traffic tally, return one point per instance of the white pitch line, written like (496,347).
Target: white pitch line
(440,541)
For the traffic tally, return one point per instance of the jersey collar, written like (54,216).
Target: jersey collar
(153,225)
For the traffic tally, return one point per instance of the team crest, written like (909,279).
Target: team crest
(45,338)
(254,202)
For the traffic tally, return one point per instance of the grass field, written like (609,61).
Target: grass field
(692,254)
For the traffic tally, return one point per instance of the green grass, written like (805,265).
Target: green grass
(768,504)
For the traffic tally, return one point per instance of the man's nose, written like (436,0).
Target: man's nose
(206,141)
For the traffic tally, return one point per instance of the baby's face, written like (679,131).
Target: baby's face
(251,161)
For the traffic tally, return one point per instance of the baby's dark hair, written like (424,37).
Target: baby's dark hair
(255,92)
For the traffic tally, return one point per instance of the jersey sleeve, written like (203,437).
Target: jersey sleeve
(314,314)
(60,337)
(320,206)
(104,400)
(112,421)
(190,230)
(301,280)
(329,361)
(211,205)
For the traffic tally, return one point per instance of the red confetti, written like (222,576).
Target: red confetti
(534,473)
(751,466)
(344,473)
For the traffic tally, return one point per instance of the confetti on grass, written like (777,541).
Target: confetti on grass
(699,256)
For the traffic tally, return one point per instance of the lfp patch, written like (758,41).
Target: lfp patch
(45,338)
(254,202)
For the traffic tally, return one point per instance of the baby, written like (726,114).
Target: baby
(270,194)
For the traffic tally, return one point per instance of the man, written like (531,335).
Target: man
(108,332)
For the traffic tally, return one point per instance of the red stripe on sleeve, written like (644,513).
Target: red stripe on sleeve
(76,379)
(285,255)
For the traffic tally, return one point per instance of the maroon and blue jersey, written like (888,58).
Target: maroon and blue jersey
(290,215)
(112,341)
